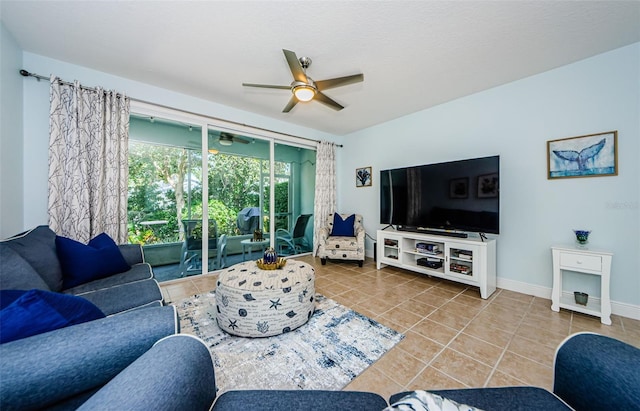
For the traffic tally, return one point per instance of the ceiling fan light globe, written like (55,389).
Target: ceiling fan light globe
(225,142)
(304,93)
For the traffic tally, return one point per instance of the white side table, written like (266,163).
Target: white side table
(584,261)
(250,244)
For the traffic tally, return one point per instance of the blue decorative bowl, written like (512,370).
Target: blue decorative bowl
(582,236)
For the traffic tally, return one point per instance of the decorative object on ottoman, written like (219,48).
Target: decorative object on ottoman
(257,235)
(252,302)
(270,256)
(582,237)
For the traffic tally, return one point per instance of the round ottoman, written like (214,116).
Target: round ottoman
(252,302)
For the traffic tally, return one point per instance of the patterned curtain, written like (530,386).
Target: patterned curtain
(325,200)
(88,162)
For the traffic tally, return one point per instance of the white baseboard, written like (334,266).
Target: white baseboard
(617,308)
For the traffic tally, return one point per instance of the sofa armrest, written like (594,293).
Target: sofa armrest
(594,372)
(324,234)
(175,374)
(132,253)
(42,370)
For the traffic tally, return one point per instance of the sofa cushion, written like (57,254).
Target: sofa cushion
(38,248)
(83,263)
(317,400)
(137,272)
(16,273)
(343,227)
(125,297)
(427,401)
(36,311)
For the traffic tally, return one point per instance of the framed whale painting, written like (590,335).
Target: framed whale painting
(593,155)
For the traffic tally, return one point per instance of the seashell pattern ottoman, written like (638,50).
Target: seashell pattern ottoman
(252,302)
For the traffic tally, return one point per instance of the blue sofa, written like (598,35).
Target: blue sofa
(30,261)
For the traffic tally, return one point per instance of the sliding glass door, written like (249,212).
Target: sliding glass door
(254,185)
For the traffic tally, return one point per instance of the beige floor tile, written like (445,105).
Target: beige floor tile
(500,379)
(444,317)
(418,308)
(532,350)
(419,346)
(435,331)
(405,318)
(461,367)
(479,329)
(432,379)
(477,349)
(526,370)
(374,380)
(400,366)
(546,337)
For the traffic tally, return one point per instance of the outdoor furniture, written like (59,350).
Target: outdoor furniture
(289,243)
(250,244)
(342,238)
(191,253)
(252,302)
(248,220)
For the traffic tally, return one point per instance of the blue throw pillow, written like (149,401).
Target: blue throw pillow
(343,227)
(83,263)
(36,311)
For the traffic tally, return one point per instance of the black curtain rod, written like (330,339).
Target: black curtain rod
(39,77)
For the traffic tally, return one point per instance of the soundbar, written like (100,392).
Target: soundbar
(457,234)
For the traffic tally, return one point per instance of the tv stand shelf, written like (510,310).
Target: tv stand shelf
(464,260)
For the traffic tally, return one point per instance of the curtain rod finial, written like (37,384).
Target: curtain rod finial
(24,73)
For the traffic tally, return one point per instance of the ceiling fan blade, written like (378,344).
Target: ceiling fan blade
(266,86)
(294,66)
(290,104)
(339,81)
(322,98)
(240,140)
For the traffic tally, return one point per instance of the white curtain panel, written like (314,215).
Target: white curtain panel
(88,162)
(325,200)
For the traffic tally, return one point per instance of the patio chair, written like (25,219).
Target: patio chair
(289,243)
(191,253)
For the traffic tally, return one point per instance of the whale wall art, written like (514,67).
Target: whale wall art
(593,155)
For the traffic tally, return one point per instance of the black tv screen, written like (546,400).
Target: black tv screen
(457,195)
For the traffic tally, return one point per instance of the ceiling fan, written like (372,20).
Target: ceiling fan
(304,88)
(226,139)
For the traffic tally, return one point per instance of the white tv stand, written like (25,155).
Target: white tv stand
(465,260)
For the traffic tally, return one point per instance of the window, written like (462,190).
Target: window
(167,185)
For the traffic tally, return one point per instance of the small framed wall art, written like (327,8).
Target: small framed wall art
(488,185)
(592,155)
(363,177)
(459,188)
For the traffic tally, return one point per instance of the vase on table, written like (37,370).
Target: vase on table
(582,237)
(270,256)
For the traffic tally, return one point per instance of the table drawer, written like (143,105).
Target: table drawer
(580,262)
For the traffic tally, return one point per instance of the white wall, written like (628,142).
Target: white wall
(11,182)
(515,120)
(36,120)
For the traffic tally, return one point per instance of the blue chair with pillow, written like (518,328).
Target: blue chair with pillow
(342,238)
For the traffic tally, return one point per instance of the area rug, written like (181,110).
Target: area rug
(328,352)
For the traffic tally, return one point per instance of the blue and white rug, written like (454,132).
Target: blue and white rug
(328,352)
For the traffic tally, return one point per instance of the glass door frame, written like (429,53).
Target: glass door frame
(207,123)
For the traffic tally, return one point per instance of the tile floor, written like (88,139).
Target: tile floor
(453,338)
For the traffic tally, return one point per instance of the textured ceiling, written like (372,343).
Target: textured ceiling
(414,54)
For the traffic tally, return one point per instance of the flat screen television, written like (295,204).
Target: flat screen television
(456,196)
